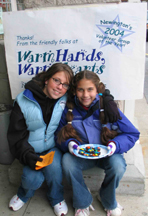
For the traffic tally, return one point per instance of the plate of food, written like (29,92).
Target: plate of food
(91,151)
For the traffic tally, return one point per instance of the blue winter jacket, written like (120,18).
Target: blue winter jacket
(89,128)
(41,136)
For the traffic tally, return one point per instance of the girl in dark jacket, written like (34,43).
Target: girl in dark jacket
(83,122)
(34,118)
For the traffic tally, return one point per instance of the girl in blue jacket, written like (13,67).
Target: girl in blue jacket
(83,121)
(34,118)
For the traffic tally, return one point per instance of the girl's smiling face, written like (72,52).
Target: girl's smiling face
(53,90)
(86,92)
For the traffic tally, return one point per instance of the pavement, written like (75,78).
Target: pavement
(39,205)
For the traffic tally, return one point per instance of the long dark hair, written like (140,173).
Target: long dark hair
(68,131)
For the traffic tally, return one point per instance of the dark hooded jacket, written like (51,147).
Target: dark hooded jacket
(17,132)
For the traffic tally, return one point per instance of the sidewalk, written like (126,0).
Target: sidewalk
(38,205)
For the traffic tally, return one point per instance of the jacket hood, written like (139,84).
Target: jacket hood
(36,90)
(44,101)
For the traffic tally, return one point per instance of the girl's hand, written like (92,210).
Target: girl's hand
(111,146)
(110,107)
(72,145)
(31,159)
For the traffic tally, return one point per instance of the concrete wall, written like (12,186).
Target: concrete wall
(5,95)
(51,3)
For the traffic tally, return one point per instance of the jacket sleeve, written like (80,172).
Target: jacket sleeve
(17,135)
(128,136)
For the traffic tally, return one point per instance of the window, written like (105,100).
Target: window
(5,5)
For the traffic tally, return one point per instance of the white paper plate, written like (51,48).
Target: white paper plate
(104,151)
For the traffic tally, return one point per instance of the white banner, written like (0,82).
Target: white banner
(107,39)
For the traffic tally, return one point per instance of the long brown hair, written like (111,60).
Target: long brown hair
(68,131)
